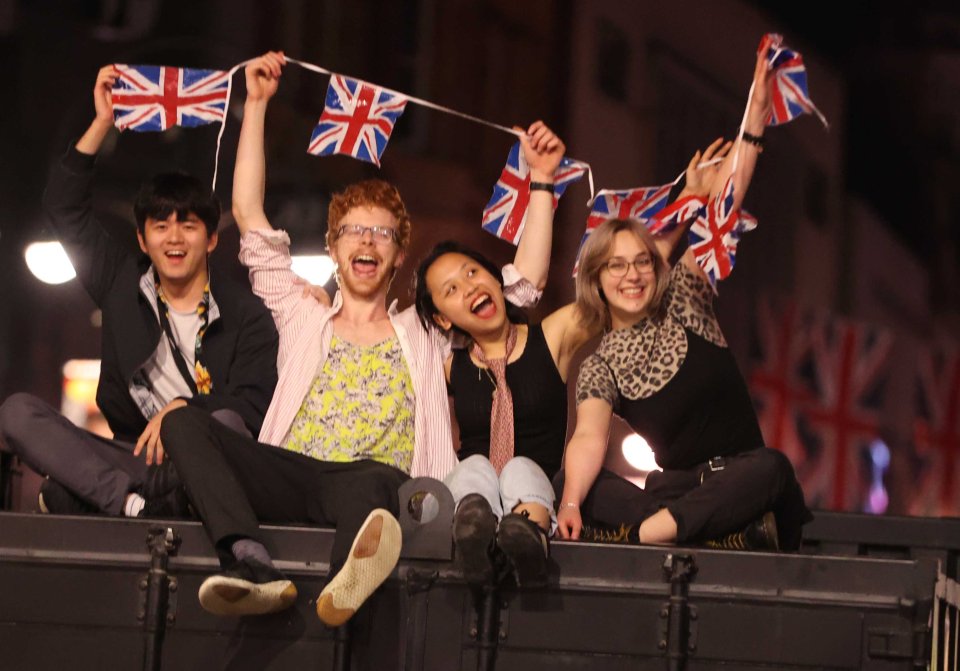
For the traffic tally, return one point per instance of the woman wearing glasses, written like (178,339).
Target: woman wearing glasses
(665,368)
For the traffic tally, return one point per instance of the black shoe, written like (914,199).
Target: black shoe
(172,505)
(160,480)
(761,534)
(56,499)
(248,587)
(627,534)
(474,532)
(526,547)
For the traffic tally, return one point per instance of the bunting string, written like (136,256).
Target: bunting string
(359,116)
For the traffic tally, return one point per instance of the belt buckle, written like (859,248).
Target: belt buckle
(714,464)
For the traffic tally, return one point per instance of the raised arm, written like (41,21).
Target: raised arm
(91,141)
(68,200)
(542,150)
(755,124)
(249,175)
(582,463)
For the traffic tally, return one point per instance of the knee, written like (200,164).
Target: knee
(180,425)
(518,467)
(772,466)
(468,471)
(16,414)
(380,488)
(522,471)
(232,420)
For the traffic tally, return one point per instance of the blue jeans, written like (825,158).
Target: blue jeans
(520,481)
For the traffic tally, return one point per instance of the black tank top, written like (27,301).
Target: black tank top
(539,404)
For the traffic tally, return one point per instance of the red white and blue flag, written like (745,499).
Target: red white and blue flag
(642,203)
(715,233)
(791,97)
(156,97)
(505,214)
(937,433)
(678,212)
(357,120)
(851,377)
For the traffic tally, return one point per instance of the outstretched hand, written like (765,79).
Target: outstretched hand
(263,75)
(542,150)
(700,179)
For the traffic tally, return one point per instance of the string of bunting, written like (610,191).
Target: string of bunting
(358,119)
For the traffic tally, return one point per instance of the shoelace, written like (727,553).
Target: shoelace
(621,534)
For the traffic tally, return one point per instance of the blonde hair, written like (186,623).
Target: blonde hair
(368,193)
(591,303)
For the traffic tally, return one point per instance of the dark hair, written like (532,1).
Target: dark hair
(178,192)
(423,301)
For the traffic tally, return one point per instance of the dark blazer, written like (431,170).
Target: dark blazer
(239,348)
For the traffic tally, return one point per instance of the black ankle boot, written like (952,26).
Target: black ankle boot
(474,532)
(526,548)
(761,534)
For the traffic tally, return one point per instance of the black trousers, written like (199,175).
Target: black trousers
(234,482)
(707,507)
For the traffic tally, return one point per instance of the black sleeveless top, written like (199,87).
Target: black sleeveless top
(539,404)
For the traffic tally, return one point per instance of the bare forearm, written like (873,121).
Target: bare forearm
(249,177)
(582,464)
(533,252)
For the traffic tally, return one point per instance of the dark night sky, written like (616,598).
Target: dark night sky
(894,142)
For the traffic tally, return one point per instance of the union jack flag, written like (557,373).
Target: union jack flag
(789,94)
(937,433)
(642,203)
(850,370)
(156,97)
(780,381)
(676,213)
(715,233)
(505,214)
(357,120)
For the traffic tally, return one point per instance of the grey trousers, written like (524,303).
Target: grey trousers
(98,470)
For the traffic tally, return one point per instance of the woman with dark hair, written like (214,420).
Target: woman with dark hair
(665,368)
(510,400)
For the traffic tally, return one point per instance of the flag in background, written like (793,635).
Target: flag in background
(156,97)
(937,432)
(357,120)
(505,214)
(850,371)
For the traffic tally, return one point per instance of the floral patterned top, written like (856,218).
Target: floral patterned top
(359,407)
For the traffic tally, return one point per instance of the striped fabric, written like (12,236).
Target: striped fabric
(306,329)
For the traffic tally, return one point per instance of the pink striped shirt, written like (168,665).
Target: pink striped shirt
(305,329)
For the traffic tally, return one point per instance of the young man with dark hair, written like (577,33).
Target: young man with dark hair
(361,403)
(172,336)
